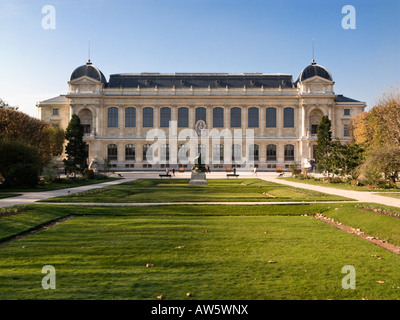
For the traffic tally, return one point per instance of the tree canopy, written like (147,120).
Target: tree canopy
(18,126)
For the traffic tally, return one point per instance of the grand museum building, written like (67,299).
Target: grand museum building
(147,121)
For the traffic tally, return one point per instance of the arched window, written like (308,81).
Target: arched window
(270,114)
(147,152)
(112,117)
(218,117)
(218,153)
(130,117)
(129,152)
(271,152)
(147,117)
(236,118)
(254,152)
(165,117)
(288,118)
(236,153)
(253,117)
(289,152)
(183,117)
(201,114)
(183,153)
(112,152)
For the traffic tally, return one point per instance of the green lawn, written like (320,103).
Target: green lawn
(62,184)
(344,186)
(392,195)
(8,195)
(102,252)
(179,190)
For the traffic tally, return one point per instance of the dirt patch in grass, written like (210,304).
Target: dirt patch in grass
(375,240)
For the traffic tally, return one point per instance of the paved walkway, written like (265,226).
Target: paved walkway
(359,196)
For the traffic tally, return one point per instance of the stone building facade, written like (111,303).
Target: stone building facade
(262,120)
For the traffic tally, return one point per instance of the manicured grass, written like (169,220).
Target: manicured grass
(374,224)
(179,190)
(391,195)
(8,195)
(62,184)
(343,186)
(102,253)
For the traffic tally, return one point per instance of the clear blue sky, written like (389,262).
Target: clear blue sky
(196,36)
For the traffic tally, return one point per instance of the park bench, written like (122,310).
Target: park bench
(181,169)
(232,175)
(228,169)
(167,175)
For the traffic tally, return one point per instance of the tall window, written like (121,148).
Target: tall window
(112,117)
(271,152)
(130,152)
(147,117)
(254,152)
(253,117)
(289,152)
(147,152)
(201,114)
(236,117)
(288,118)
(270,114)
(165,117)
(183,117)
(164,152)
(346,132)
(218,153)
(218,117)
(236,152)
(346,112)
(130,117)
(201,148)
(112,152)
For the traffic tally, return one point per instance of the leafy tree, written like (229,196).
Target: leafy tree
(5,105)
(20,164)
(75,148)
(18,126)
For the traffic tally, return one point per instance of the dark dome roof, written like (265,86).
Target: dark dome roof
(88,70)
(314,70)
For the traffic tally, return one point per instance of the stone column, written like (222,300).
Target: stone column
(279,119)
(121,120)
(139,120)
(262,121)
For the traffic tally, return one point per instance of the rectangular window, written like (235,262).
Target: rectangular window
(346,132)
(314,129)
(346,112)
(56,112)
(86,128)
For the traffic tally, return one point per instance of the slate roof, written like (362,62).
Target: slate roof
(88,70)
(200,80)
(312,70)
(59,99)
(341,98)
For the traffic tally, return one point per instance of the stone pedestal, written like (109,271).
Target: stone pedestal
(198,178)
